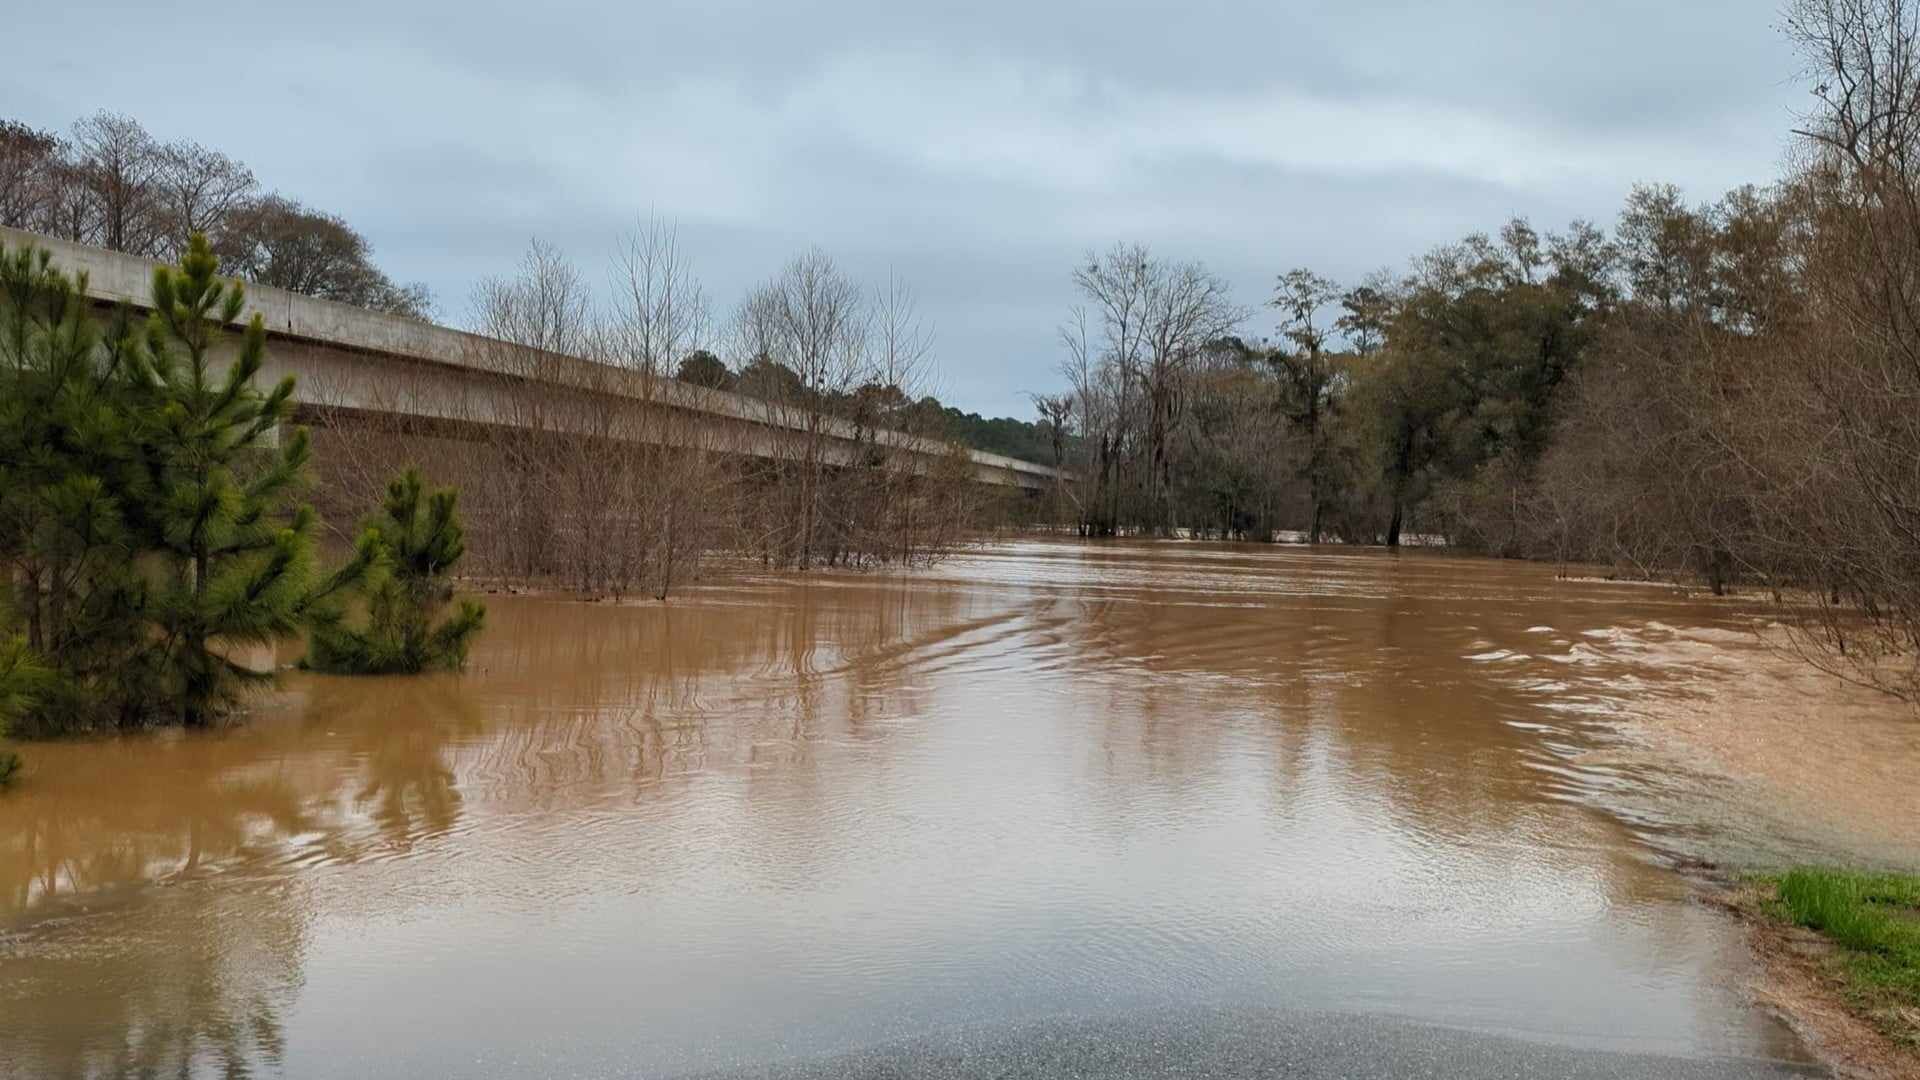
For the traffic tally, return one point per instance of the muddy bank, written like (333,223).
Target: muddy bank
(1798,983)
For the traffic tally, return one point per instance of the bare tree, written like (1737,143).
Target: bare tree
(113,185)
(536,320)
(1103,396)
(276,241)
(1056,415)
(197,191)
(545,308)
(902,354)
(659,317)
(1860,358)
(120,165)
(660,309)
(903,343)
(809,323)
(70,211)
(29,167)
(585,464)
(1154,319)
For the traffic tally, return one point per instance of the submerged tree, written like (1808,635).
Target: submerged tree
(22,681)
(66,479)
(1133,345)
(147,515)
(1308,377)
(403,569)
(234,548)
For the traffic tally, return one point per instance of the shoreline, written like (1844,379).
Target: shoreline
(1802,769)
(1799,984)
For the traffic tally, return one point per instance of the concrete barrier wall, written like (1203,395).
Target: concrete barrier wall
(347,357)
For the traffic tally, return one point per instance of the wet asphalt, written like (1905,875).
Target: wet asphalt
(1229,1045)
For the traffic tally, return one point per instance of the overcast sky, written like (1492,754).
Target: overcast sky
(977,149)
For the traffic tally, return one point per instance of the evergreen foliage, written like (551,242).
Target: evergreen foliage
(1004,435)
(68,469)
(232,549)
(770,380)
(150,524)
(402,572)
(22,681)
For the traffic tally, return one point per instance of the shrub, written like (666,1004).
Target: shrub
(401,574)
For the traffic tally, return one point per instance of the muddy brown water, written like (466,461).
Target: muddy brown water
(780,818)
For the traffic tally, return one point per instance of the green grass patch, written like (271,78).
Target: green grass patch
(1874,920)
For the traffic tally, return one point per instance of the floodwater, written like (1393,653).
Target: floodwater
(781,819)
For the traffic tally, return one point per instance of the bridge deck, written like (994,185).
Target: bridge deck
(349,357)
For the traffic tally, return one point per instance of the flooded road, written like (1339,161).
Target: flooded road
(779,820)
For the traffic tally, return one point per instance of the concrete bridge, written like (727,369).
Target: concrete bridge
(362,362)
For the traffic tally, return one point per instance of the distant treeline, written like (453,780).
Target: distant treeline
(1728,392)
(1005,435)
(1025,440)
(110,183)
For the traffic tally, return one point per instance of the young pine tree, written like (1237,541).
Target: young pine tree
(68,471)
(23,681)
(230,548)
(402,569)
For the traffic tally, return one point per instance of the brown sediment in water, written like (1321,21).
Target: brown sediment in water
(1824,765)
(1046,776)
(1790,765)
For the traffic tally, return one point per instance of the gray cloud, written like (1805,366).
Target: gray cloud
(974,149)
